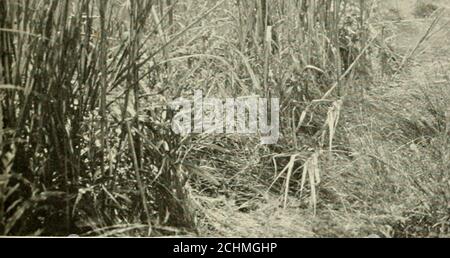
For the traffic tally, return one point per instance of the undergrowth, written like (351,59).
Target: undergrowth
(87,145)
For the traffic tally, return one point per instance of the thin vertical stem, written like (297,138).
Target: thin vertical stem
(104,79)
(140,183)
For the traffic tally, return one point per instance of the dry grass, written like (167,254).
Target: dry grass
(87,147)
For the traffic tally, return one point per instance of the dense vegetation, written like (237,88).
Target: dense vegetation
(87,146)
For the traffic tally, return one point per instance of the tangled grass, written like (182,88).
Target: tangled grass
(87,146)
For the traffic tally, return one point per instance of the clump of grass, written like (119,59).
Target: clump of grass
(424,9)
(84,134)
(396,181)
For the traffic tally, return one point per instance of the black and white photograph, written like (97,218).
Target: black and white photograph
(225,119)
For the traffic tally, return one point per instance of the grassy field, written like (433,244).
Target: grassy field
(87,145)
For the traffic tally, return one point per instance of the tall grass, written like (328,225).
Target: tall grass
(86,141)
(320,46)
(81,74)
